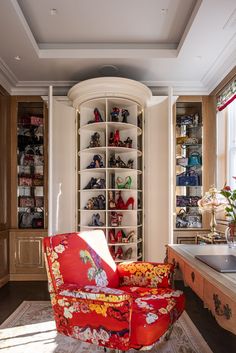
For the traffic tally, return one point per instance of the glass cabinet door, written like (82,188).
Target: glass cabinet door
(31,165)
(189,164)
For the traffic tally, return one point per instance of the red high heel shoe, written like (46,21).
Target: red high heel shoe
(112,238)
(130,201)
(119,254)
(120,236)
(112,252)
(116,138)
(120,204)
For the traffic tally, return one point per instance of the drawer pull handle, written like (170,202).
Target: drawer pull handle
(193,276)
(221,310)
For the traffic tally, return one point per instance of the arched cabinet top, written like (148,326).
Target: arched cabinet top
(109,87)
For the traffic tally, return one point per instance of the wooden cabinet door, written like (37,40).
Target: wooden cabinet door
(26,255)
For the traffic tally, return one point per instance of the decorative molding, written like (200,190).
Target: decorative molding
(7,77)
(223,64)
(25,25)
(109,86)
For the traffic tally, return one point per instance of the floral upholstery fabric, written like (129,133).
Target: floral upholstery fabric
(145,274)
(154,310)
(73,259)
(124,307)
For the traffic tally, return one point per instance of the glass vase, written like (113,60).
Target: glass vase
(230,235)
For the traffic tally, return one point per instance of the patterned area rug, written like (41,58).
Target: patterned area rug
(31,329)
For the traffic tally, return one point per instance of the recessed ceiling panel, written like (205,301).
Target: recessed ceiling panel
(107,21)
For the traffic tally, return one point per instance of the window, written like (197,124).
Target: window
(226,146)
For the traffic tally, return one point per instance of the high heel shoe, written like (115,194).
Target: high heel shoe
(123,184)
(120,163)
(128,254)
(95,140)
(111,200)
(116,139)
(97,162)
(91,183)
(120,204)
(119,254)
(120,236)
(116,219)
(111,235)
(124,114)
(130,201)
(130,164)
(130,237)
(111,139)
(96,221)
(97,117)
(115,114)
(128,142)
(112,252)
(116,162)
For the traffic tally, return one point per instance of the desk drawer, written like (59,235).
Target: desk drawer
(193,279)
(222,306)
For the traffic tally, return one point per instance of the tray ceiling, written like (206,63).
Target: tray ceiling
(187,44)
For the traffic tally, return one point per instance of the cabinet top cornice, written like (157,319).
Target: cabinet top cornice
(109,87)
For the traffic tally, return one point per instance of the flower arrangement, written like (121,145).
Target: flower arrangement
(230,196)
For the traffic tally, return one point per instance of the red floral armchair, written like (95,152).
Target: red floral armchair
(121,307)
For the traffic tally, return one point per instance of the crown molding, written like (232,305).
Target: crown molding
(224,63)
(7,78)
(61,88)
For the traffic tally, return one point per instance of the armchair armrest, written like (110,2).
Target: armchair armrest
(145,274)
(104,294)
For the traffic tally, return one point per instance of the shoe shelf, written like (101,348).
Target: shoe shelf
(110,160)
(188,165)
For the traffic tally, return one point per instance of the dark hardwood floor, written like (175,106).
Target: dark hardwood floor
(219,340)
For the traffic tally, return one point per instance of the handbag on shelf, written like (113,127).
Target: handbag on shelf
(194,220)
(39,201)
(26,201)
(190,141)
(24,191)
(31,220)
(36,120)
(180,140)
(194,159)
(183,201)
(38,180)
(181,221)
(38,160)
(187,201)
(184,120)
(24,180)
(190,178)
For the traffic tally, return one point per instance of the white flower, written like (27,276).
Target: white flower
(59,248)
(104,335)
(150,318)
(68,311)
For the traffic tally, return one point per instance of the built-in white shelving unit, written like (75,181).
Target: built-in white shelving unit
(110,162)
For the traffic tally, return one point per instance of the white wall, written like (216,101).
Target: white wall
(157,188)
(62,181)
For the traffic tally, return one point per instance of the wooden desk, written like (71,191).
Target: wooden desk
(217,290)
